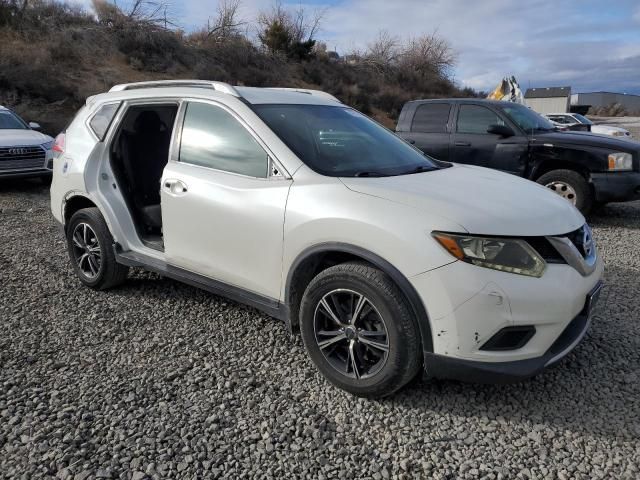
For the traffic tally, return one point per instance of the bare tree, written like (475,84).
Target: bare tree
(383,52)
(226,24)
(299,25)
(428,54)
(305,26)
(143,13)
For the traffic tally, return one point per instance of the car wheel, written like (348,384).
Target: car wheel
(90,246)
(359,330)
(570,185)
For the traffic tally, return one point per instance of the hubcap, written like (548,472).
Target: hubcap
(351,333)
(86,250)
(564,190)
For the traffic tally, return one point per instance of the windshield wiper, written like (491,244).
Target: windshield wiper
(369,174)
(420,169)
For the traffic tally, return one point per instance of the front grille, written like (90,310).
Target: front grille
(579,238)
(17,158)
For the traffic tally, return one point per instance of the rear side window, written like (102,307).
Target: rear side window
(102,119)
(476,119)
(212,137)
(431,118)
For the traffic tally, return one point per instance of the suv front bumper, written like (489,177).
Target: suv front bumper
(468,307)
(616,186)
(441,366)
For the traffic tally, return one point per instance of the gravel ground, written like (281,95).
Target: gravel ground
(160,380)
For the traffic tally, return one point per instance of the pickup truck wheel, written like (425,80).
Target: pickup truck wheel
(570,185)
(90,246)
(359,331)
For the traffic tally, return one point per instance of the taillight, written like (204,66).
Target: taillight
(58,146)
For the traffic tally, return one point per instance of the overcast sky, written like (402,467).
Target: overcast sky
(590,45)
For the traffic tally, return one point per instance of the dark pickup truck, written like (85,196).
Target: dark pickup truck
(587,169)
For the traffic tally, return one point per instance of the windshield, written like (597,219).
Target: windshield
(582,119)
(340,142)
(527,119)
(10,121)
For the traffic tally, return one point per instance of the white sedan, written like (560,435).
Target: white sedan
(566,119)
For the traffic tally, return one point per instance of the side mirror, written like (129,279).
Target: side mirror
(502,130)
(34,126)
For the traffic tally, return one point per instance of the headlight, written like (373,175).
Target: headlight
(620,161)
(48,145)
(618,133)
(504,254)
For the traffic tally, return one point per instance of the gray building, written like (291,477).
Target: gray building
(631,103)
(549,99)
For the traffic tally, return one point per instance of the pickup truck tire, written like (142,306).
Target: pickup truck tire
(377,353)
(570,185)
(90,247)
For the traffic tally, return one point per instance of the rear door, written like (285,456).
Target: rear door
(429,129)
(223,202)
(473,145)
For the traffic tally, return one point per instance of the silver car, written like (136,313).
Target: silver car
(24,152)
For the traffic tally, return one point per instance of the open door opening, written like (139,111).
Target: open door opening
(139,154)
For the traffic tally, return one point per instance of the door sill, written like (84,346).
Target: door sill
(268,305)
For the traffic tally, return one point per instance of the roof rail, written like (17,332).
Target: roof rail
(218,86)
(316,93)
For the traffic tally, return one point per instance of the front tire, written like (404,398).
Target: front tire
(572,186)
(359,330)
(90,247)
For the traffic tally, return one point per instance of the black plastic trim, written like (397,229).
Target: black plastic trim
(497,342)
(270,306)
(420,313)
(27,174)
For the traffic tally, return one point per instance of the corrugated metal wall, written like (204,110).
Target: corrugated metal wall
(549,105)
(604,99)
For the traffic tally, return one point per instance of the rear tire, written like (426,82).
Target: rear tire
(90,247)
(377,353)
(570,185)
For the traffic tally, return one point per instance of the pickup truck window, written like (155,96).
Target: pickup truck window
(476,119)
(431,118)
(527,119)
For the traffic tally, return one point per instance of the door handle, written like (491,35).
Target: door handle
(175,187)
(463,144)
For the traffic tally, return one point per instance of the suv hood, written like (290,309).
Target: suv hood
(22,138)
(581,139)
(483,201)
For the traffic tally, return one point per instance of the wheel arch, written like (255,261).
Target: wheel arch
(548,165)
(313,260)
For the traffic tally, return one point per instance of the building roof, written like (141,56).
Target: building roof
(609,93)
(548,92)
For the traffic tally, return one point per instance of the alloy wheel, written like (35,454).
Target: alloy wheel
(351,333)
(86,250)
(564,190)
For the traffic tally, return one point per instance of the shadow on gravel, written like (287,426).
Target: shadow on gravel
(625,215)
(595,389)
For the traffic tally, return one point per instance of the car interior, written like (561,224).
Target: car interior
(139,153)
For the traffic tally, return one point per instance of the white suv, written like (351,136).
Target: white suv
(386,261)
